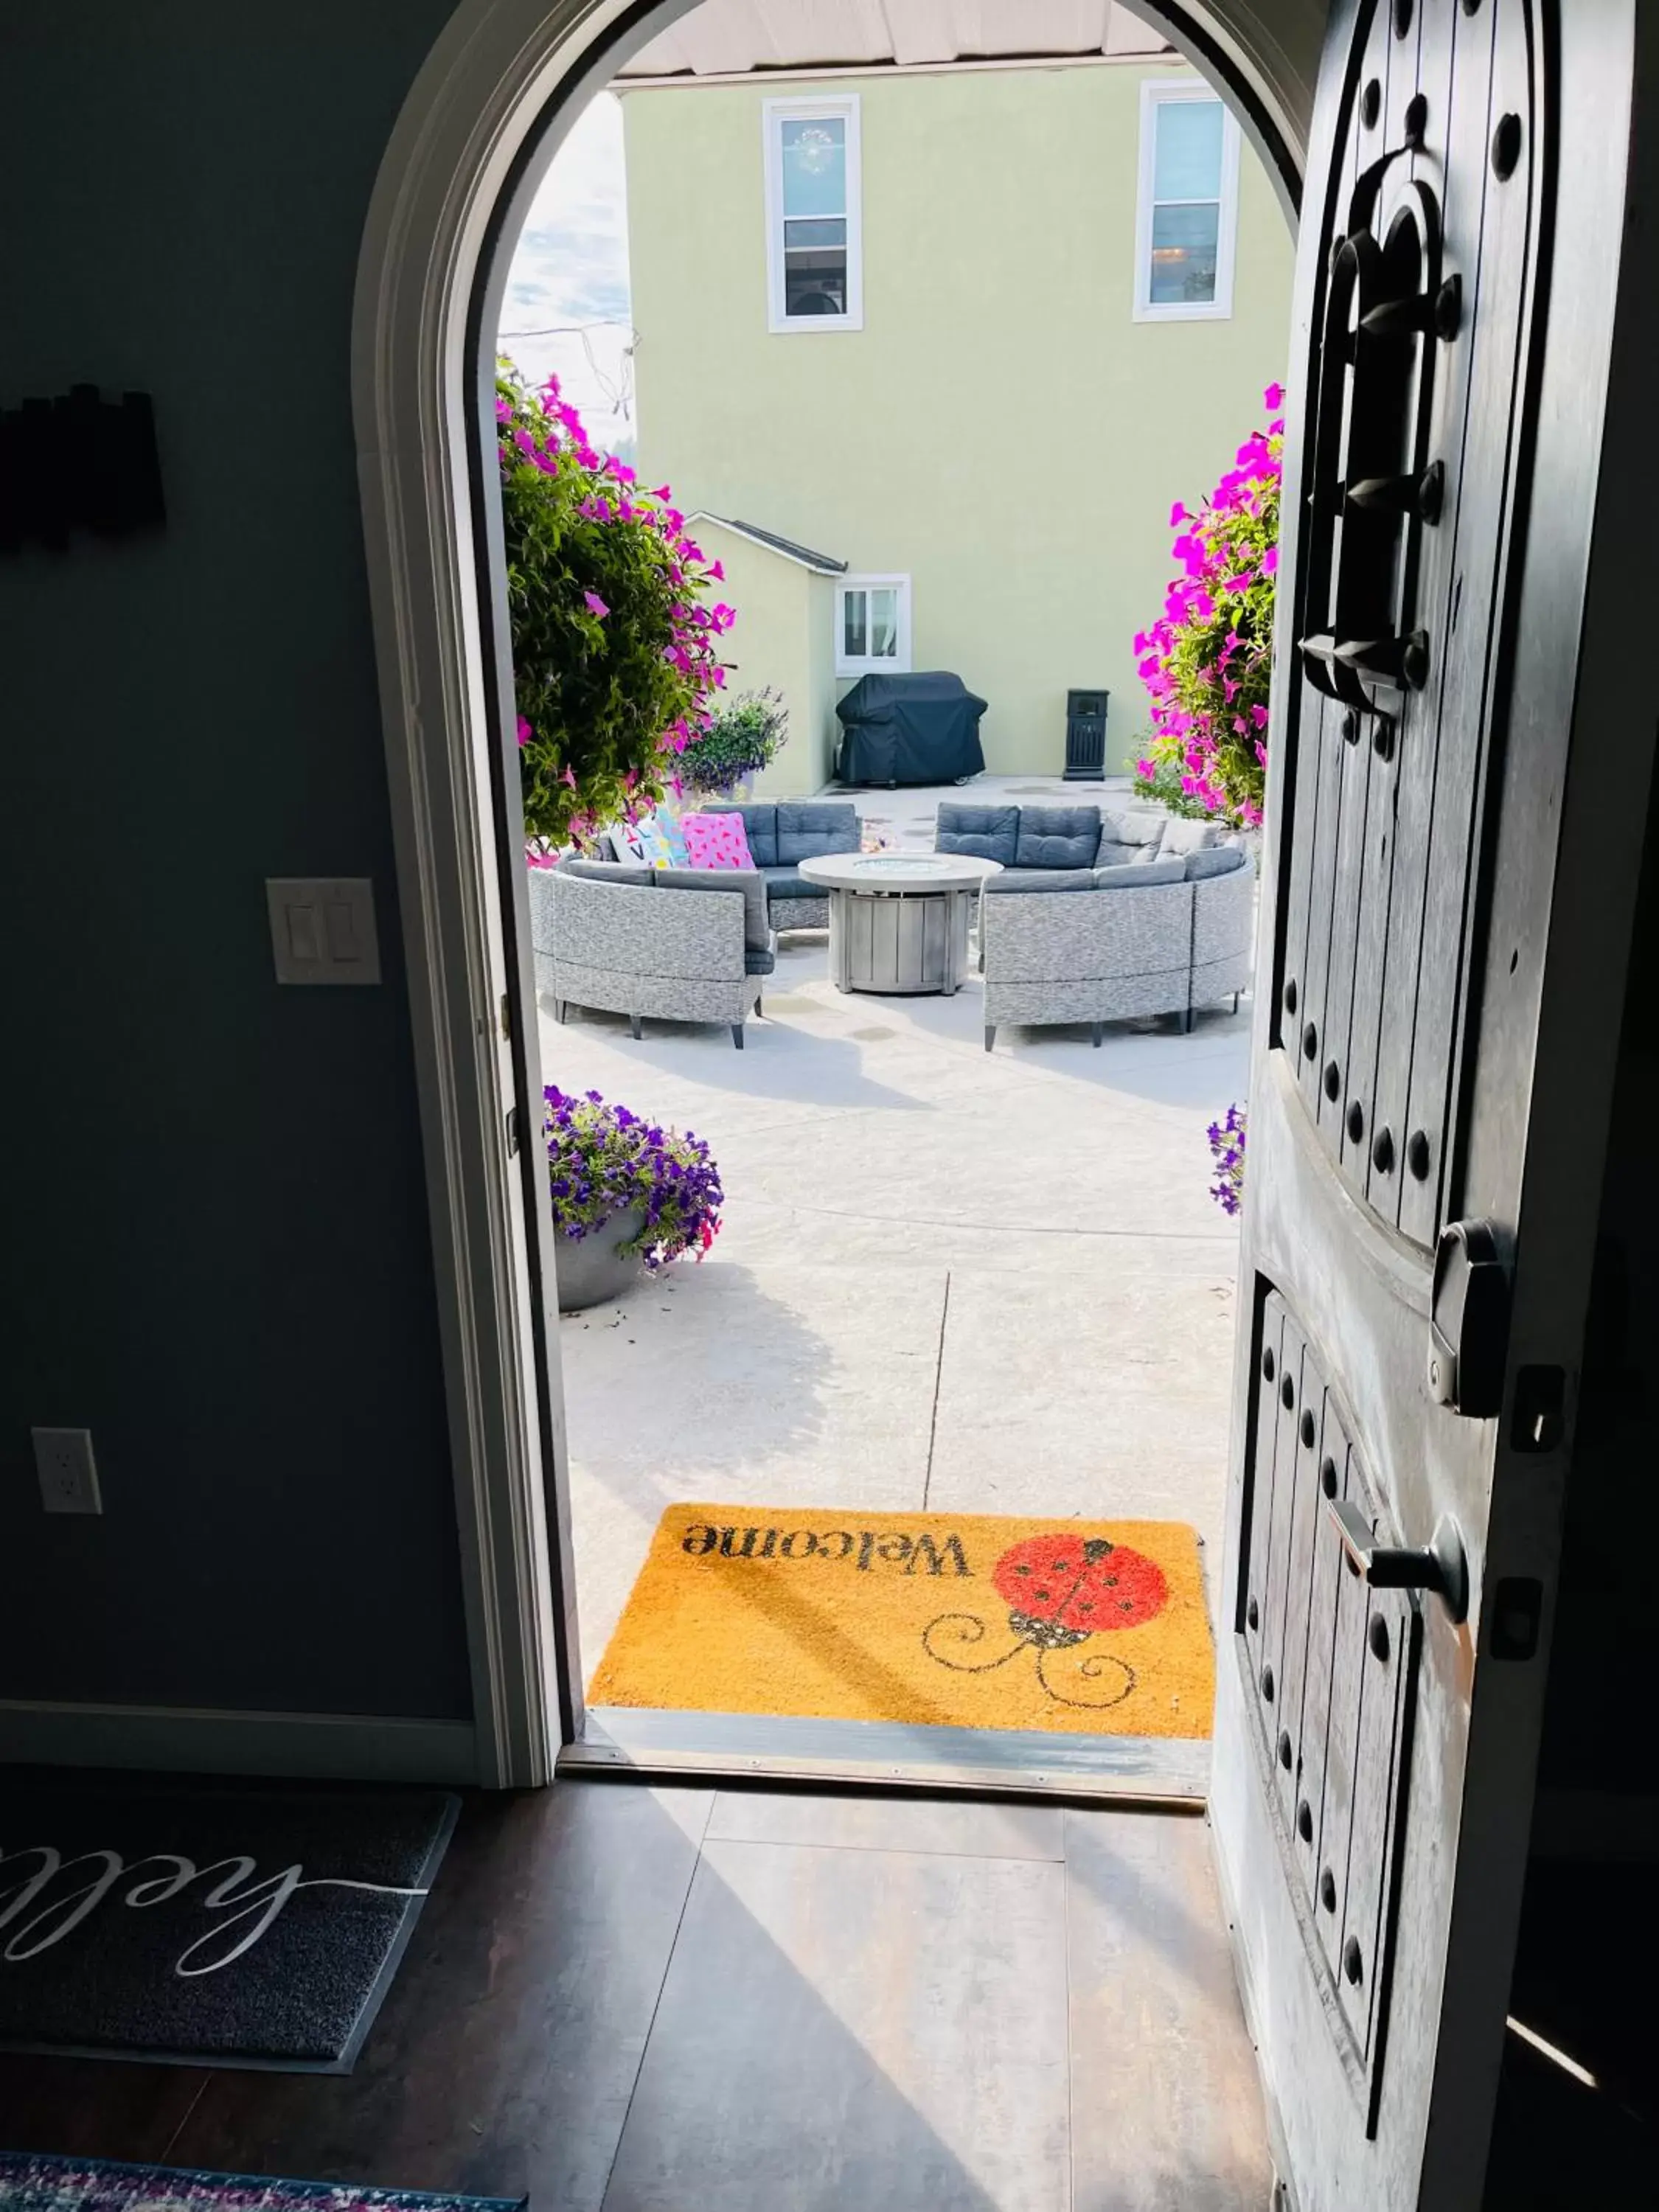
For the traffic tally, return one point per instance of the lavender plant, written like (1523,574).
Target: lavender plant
(1227,1149)
(604,1160)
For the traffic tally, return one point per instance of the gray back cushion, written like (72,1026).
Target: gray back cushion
(990,833)
(1185,837)
(756,932)
(1140,875)
(1128,837)
(760,827)
(1215,861)
(806,831)
(1057,836)
(1041,880)
(609,871)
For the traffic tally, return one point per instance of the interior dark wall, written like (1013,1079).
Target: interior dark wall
(217,1252)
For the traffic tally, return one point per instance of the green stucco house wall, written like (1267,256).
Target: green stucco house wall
(1002,422)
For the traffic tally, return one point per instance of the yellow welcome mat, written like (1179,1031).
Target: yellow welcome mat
(960,1621)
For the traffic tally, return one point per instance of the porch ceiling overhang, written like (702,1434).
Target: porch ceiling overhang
(730,38)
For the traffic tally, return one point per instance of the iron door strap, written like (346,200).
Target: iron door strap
(1373,486)
(1468,1321)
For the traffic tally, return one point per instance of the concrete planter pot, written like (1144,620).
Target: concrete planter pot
(591,1270)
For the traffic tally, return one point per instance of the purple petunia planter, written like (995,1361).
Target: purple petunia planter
(591,1269)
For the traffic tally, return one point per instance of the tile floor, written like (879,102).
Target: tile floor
(625,2000)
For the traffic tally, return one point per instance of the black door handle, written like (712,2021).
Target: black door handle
(1442,1568)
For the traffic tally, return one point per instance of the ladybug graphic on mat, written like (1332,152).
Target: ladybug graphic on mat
(1061,1591)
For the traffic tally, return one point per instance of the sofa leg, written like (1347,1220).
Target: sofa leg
(634,1028)
(1235,1002)
(1096,1031)
(990,1037)
(759,1009)
(737,1035)
(559,1006)
(1186,1023)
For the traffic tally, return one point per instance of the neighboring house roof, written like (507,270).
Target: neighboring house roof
(825,563)
(731,38)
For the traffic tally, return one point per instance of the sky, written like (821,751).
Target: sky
(569,277)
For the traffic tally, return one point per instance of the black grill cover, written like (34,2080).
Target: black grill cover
(909,729)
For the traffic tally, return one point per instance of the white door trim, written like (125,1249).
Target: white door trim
(473,130)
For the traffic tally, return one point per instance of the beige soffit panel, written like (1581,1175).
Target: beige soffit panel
(727,38)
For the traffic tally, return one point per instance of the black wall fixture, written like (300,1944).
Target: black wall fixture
(79,462)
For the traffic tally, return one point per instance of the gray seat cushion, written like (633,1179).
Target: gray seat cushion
(1184,837)
(805,832)
(757,928)
(760,827)
(790,883)
(758,963)
(989,833)
(1215,861)
(1041,880)
(1128,837)
(1140,875)
(1057,837)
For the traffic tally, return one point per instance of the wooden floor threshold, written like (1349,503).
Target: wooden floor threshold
(763,1751)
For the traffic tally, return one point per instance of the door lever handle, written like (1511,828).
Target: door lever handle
(1442,1568)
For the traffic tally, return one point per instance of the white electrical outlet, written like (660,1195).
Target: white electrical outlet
(69,1478)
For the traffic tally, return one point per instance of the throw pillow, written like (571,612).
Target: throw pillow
(664,840)
(1181,837)
(715,841)
(626,841)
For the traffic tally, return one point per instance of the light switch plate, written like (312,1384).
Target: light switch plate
(322,929)
(69,1475)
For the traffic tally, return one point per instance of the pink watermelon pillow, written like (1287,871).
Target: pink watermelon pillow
(716,841)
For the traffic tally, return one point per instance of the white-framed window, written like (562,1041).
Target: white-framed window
(873,625)
(1186,211)
(814,215)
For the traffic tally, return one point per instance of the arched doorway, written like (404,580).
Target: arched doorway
(484,119)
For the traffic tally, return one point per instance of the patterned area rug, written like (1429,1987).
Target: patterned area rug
(969,1620)
(79,2184)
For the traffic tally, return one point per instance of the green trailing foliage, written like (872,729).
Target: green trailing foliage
(615,649)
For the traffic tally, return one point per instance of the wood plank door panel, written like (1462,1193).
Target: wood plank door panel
(1446,924)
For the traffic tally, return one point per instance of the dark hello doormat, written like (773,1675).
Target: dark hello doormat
(231,1925)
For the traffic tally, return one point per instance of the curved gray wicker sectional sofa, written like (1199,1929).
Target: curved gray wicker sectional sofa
(1101,917)
(682,944)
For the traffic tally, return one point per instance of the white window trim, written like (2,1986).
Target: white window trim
(775,112)
(1160,92)
(892,664)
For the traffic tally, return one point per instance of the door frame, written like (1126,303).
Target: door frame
(486,115)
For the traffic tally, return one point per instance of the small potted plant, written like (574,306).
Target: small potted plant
(1227,1150)
(740,741)
(630,1197)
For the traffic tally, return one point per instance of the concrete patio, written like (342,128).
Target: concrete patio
(946,1279)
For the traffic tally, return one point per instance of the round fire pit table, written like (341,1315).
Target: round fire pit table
(898,921)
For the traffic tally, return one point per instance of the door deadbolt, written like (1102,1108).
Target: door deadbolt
(1468,1321)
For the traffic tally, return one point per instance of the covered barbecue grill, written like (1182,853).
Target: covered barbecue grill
(909,729)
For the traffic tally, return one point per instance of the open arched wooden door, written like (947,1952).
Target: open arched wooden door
(1446,924)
